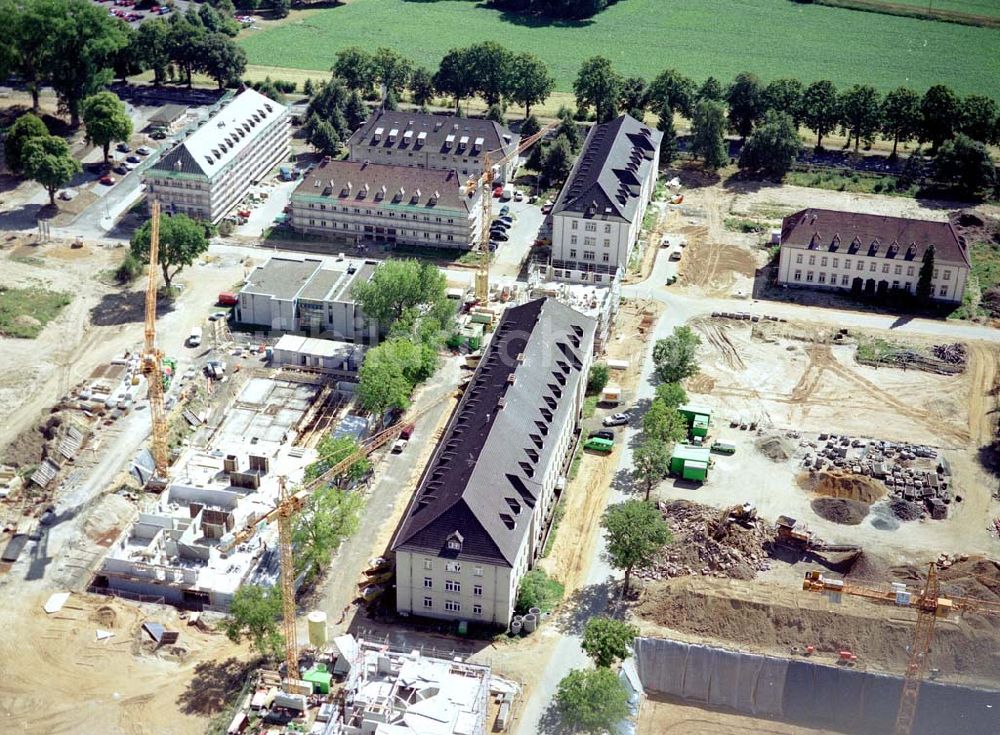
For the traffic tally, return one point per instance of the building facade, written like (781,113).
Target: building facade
(597,218)
(870,254)
(308,295)
(210,171)
(368,202)
(481,513)
(439,142)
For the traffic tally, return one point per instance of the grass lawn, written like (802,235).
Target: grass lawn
(772,38)
(857,182)
(24,312)
(981,8)
(986,264)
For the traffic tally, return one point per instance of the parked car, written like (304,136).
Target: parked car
(506,218)
(399,446)
(133,159)
(547,208)
(504,210)
(599,445)
(493,246)
(500,223)
(158,134)
(122,148)
(143,150)
(120,169)
(602,434)
(497,191)
(617,419)
(67,195)
(675,255)
(499,235)
(217,315)
(671,280)
(407,431)
(107,180)
(665,241)
(518,196)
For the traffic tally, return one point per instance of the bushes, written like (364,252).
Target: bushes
(129,269)
(537,589)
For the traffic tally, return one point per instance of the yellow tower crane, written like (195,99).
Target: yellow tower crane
(152,357)
(930,606)
(485,185)
(283,513)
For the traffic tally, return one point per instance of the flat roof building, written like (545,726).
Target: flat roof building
(870,254)
(342,360)
(211,170)
(479,518)
(311,295)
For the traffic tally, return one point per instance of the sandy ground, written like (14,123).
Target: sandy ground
(668,717)
(58,678)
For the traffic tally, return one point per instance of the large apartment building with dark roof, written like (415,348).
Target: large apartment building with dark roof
(870,253)
(598,215)
(479,518)
(366,202)
(439,142)
(211,170)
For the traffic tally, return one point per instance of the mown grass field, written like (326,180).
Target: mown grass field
(701,38)
(989,8)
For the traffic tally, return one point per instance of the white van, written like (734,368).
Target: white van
(194,339)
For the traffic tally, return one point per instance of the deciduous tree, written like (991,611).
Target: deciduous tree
(668,144)
(332,450)
(421,87)
(397,286)
(557,161)
(182,239)
(900,116)
(772,147)
(607,640)
(746,103)
(355,67)
(222,59)
(633,101)
(940,115)
(708,135)
(651,463)
(151,48)
(663,423)
(672,90)
(861,112)
(106,120)
(785,95)
(599,85)
(821,109)
(255,613)
(330,515)
(47,160)
(925,286)
(965,165)
(454,77)
(597,378)
(530,81)
(26,127)
(675,356)
(634,531)
(979,119)
(592,701)
(391,70)
(323,137)
(710,90)
(672,394)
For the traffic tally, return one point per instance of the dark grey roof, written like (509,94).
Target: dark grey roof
(606,178)
(282,278)
(484,479)
(403,186)
(872,235)
(436,130)
(167,115)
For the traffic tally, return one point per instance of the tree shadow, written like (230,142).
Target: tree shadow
(127,307)
(550,723)
(692,176)
(742,182)
(212,685)
(23,218)
(585,603)
(989,458)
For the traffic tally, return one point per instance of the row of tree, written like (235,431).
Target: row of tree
(573,9)
(861,111)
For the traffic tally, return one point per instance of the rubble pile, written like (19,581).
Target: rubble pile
(739,552)
(912,472)
(954,354)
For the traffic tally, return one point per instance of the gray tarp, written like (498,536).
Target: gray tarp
(807,692)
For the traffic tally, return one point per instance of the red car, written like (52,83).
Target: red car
(107,180)
(497,191)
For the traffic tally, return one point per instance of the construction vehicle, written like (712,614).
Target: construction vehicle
(744,515)
(796,534)
(288,506)
(485,186)
(152,357)
(930,606)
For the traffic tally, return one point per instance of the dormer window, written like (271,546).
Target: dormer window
(454,541)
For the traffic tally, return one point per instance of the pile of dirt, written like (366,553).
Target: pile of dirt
(773,618)
(841,485)
(906,510)
(868,568)
(963,576)
(775,448)
(841,510)
(703,545)
(107,518)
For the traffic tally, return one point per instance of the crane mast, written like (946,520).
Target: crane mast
(152,358)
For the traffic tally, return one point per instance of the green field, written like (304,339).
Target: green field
(989,8)
(701,38)
(24,312)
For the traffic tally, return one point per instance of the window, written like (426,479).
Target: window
(908,286)
(871,267)
(605,257)
(477,609)
(798,275)
(898,270)
(478,571)
(861,266)
(844,279)
(822,277)
(428,602)
(572,253)
(572,239)
(847,263)
(935,272)
(589,241)
(453,566)
(607,243)
(575,224)
(598,278)
(477,590)
(947,275)
(909,271)
(812,260)
(885,267)
(943,291)
(822,261)
(428,583)
(836,262)
(895,284)
(798,258)
(450,585)
(809,277)
(452,606)
(607,228)
(591,227)
(588,254)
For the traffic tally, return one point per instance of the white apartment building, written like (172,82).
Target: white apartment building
(481,513)
(366,202)
(441,142)
(598,215)
(210,171)
(870,253)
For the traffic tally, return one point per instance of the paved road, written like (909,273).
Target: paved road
(393,479)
